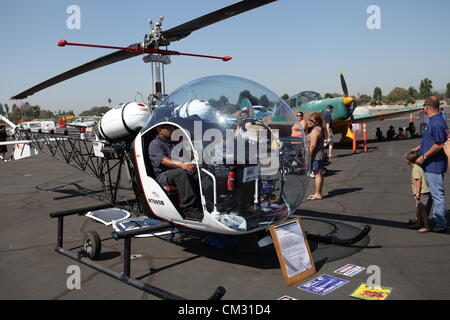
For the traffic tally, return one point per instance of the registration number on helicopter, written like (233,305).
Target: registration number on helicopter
(157,202)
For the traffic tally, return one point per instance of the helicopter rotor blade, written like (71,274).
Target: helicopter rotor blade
(173,34)
(92,65)
(187,28)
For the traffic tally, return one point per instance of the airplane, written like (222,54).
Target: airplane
(257,174)
(81,123)
(345,110)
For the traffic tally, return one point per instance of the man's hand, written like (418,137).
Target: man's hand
(188,166)
(447,148)
(417,196)
(420,160)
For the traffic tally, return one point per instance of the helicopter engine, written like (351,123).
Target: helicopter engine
(123,121)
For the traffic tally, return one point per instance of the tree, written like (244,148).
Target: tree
(377,94)
(94,111)
(447,94)
(413,93)
(218,104)
(264,101)
(410,100)
(398,94)
(364,99)
(15,115)
(246,94)
(333,95)
(1,110)
(285,97)
(425,87)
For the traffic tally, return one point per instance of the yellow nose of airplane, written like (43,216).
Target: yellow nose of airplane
(348,101)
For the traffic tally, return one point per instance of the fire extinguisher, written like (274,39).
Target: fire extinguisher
(230,183)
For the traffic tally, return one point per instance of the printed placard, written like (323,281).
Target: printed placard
(293,251)
(250,174)
(323,285)
(371,293)
(349,270)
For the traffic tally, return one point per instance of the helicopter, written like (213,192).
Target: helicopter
(251,170)
(259,194)
(255,168)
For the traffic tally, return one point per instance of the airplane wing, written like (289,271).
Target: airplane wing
(386,115)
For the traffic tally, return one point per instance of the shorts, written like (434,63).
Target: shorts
(316,165)
(425,202)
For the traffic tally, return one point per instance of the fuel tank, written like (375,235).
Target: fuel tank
(123,121)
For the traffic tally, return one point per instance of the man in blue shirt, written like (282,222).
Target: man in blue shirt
(171,172)
(433,159)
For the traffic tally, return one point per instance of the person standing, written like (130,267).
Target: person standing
(443,114)
(433,160)
(327,119)
(421,193)
(3,138)
(316,138)
(423,122)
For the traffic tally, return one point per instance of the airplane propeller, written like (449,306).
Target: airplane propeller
(153,40)
(348,101)
(344,85)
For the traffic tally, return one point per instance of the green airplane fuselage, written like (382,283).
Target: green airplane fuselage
(340,110)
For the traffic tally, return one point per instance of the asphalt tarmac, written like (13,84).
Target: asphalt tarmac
(361,189)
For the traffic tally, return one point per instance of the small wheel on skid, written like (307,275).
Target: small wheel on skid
(92,245)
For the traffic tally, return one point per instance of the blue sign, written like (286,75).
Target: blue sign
(323,285)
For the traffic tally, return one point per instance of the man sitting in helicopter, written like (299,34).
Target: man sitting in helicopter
(171,172)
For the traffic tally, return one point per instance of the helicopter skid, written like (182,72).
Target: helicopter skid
(127,236)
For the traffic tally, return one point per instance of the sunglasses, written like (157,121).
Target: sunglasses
(313,121)
(299,115)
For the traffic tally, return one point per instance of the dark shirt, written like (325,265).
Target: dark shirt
(390,134)
(327,117)
(3,135)
(436,133)
(158,149)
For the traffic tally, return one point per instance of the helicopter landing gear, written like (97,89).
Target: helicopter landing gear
(91,249)
(92,245)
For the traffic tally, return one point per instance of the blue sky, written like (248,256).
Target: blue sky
(288,46)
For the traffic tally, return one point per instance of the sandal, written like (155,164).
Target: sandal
(424,230)
(415,226)
(314,197)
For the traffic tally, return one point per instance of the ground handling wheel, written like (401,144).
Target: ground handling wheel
(92,245)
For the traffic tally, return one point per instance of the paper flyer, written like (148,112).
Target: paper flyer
(349,270)
(323,285)
(371,293)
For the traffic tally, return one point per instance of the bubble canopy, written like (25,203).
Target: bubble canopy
(242,109)
(221,100)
